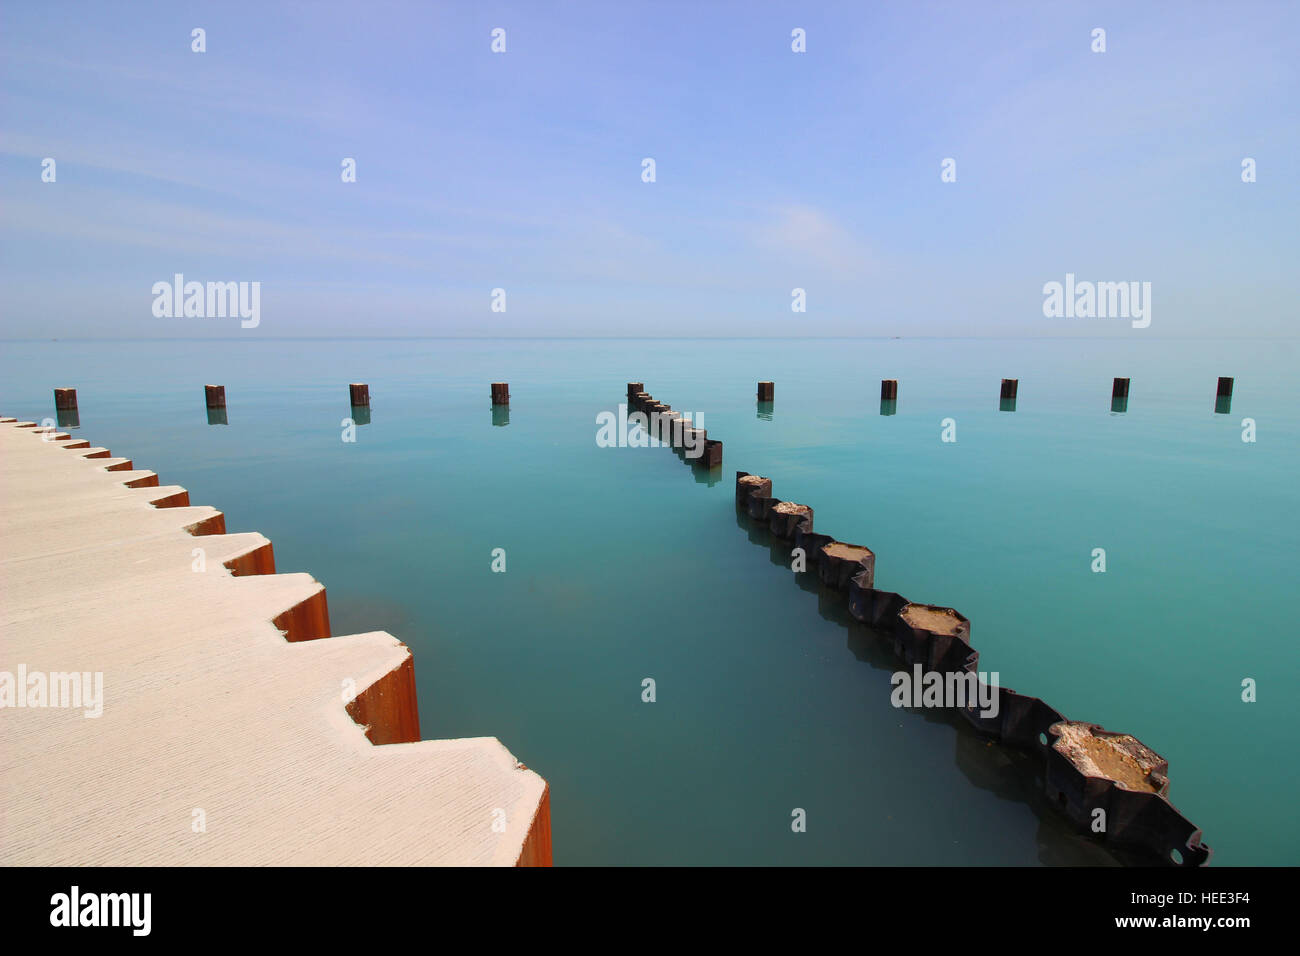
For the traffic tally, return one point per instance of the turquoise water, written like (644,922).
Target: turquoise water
(624,563)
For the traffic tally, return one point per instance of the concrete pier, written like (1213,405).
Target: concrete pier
(233,730)
(359,395)
(766,391)
(500,393)
(215,396)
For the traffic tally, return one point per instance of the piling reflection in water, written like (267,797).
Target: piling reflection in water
(704,475)
(888,406)
(67,417)
(217,416)
(501,415)
(765,410)
(361,414)
(1006,404)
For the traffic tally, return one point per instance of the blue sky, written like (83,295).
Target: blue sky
(775,170)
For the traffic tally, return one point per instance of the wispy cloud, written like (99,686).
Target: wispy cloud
(807,238)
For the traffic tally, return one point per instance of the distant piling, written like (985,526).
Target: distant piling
(1223,396)
(500,393)
(766,391)
(1007,397)
(359,394)
(215,396)
(65,408)
(889,389)
(1119,396)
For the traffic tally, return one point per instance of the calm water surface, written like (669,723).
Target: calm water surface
(625,563)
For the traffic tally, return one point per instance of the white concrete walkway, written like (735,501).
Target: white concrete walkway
(220,742)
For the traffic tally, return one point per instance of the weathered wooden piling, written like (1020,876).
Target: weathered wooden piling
(889,388)
(838,562)
(1120,388)
(1009,387)
(747,484)
(693,438)
(65,399)
(633,388)
(215,396)
(766,391)
(500,393)
(677,430)
(360,394)
(1224,390)
(786,518)
(934,636)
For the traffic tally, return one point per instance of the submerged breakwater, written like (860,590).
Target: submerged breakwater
(1105,782)
(674,429)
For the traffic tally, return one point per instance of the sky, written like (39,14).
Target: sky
(523,170)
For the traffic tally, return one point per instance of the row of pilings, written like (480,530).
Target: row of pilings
(1007,395)
(68,415)
(65,399)
(673,428)
(1085,768)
